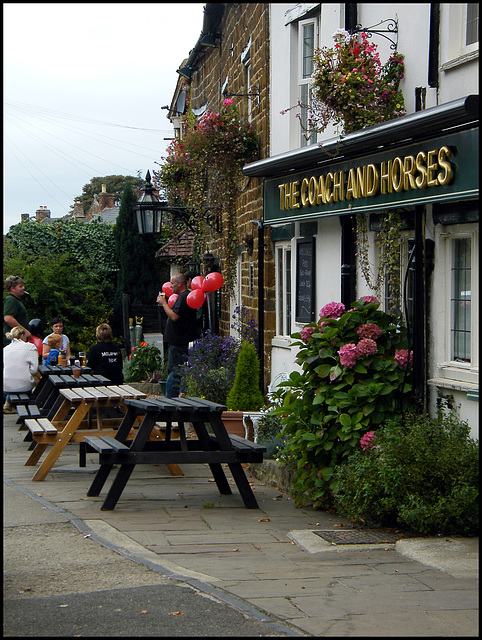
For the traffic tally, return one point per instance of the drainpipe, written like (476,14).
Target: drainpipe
(434,43)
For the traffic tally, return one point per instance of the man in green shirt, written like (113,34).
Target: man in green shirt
(14,313)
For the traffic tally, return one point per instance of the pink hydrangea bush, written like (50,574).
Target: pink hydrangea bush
(353,377)
(367,440)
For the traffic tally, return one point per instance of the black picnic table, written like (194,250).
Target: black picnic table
(214,446)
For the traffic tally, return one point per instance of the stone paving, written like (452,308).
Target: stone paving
(256,559)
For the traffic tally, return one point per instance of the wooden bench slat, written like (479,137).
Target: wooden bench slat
(70,394)
(131,392)
(110,392)
(97,444)
(47,426)
(34,427)
(114,444)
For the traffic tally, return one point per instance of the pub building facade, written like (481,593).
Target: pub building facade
(423,165)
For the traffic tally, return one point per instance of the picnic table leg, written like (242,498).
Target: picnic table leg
(216,468)
(117,487)
(63,439)
(105,469)
(99,480)
(243,485)
(36,454)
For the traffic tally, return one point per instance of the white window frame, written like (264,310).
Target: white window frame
(284,289)
(457,52)
(305,81)
(451,369)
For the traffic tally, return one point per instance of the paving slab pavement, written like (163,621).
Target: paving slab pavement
(265,562)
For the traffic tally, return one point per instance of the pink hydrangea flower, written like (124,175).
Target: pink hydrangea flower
(367,440)
(306,333)
(369,299)
(403,358)
(348,355)
(332,310)
(366,347)
(372,331)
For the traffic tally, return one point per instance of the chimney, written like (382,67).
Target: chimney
(78,211)
(106,201)
(42,213)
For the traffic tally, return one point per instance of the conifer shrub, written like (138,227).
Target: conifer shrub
(414,472)
(245,394)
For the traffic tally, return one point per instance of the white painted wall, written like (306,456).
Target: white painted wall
(458,77)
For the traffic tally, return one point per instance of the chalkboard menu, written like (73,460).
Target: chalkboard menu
(305,280)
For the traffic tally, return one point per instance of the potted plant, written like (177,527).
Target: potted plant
(245,394)
(145,369)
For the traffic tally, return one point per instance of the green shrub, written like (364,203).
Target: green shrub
(245,394)
(418,472)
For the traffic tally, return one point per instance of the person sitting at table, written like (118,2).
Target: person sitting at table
(105,357)
(54,343)
(20,364)
(57,325)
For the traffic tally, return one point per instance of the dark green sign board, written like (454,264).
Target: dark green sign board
(442,169)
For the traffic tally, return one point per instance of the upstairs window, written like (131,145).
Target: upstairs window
(472,26)
(308,37)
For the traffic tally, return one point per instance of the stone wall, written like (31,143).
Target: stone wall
(244,27)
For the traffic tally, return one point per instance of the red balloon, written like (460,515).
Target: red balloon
(166,287)
(197,282)
(172,299)
(195,299)
(213,281)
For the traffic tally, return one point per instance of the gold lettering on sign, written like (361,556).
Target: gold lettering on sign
(408,173)
(444,178)
(371,180)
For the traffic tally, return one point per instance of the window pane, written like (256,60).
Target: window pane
(288,293)
(461,300)
(308,46)
(279,291)
(472,23)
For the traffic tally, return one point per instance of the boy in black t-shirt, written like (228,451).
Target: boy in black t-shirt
(105,357)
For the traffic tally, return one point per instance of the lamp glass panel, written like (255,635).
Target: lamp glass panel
(148,215)
(139,222)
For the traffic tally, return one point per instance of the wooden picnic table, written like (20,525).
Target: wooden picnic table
(48,401)
(69,422)
(213,446)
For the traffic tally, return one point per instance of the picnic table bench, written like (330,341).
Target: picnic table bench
(213,448)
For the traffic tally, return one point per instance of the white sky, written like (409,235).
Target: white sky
(68,66)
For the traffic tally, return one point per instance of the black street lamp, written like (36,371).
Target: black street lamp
(149,211)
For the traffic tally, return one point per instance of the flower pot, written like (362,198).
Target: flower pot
(233,421)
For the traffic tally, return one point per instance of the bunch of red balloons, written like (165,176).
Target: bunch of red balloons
(200,286)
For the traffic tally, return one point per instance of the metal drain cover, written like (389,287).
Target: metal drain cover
(355,536)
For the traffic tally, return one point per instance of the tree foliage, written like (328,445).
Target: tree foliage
(114,185)
(59,285)
(92,245)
